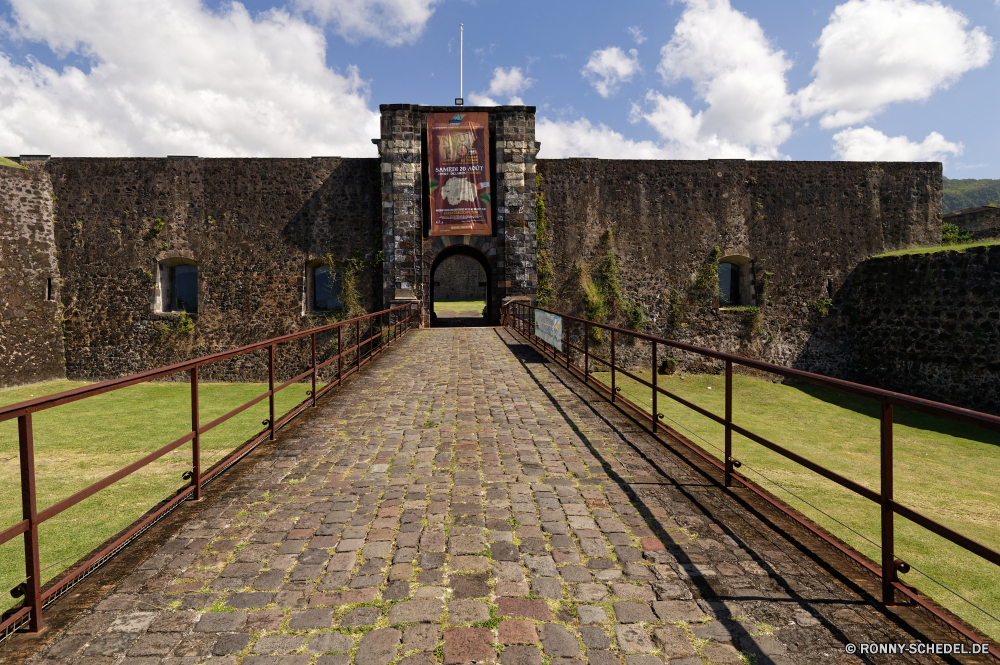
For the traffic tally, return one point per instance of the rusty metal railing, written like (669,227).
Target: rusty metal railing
(519,316)
(383,328)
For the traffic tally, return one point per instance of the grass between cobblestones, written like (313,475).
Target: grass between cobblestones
(944,470)
(80,443)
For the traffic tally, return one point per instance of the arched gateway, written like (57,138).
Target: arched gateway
(462,273)
(458,180)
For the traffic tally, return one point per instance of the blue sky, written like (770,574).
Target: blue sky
(694,79)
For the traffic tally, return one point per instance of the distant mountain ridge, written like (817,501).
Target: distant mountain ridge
(970,193)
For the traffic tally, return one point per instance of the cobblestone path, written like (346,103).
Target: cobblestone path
(463,501)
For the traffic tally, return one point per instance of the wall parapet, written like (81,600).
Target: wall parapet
(926,325)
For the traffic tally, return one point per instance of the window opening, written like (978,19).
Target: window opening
(184,288)
(729,285)
(327,288)
(48,289)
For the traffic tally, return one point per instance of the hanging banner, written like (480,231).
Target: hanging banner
(458,169)
(548,328)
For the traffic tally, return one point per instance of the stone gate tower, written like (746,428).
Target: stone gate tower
(410,253)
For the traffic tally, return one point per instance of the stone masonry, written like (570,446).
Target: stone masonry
(410,253)
(464,501)
(31,340)
(922,324)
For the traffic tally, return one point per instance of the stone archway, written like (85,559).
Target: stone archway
(486,275)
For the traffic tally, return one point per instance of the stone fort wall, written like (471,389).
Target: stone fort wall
(922,324)
(252,225)
(31,342)
(459,278)
(807,224)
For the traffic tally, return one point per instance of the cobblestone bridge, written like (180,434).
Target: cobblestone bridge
(467,501)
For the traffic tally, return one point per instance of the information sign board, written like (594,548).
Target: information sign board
(549,328)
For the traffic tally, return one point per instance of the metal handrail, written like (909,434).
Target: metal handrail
(392,323)
(518,316)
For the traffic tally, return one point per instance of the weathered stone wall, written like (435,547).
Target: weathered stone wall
(31,343)
(983,222)
(252,226)
(805,223)
(459,278)
(411,254)
(921,324)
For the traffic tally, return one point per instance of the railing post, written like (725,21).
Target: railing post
(314,367)
(357,339)
(655,418)
(270,383)
(586,351)
(196,441)
(614,388)
(29,511)
(888,541)
(729,424)
(340,355)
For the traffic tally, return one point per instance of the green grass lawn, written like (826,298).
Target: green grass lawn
(944,470)
(6,162)
(459,306)
(958,247)
(80,443)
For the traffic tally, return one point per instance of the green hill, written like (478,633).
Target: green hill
(959,194)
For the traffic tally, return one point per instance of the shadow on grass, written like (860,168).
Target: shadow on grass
(901,416)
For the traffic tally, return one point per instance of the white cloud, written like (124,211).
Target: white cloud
(505,83)
(394,22)
(580,138)
(639,38)
(736,72)
(875,52)
(687,138)
(609,67)
(178,79)
(867,144)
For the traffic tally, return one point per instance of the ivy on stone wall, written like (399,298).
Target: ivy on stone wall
(603,299)
(543,256)
(593,299)
(348,271)
(610,286)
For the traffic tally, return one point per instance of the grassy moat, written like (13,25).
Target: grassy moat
(944,470)
(80,443)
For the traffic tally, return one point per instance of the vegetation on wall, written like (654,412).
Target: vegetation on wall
(970,193)
(706,281)
(543,255)
(175,331)
(951,234)
(593,299)
(603,299)
(704,294)
(822,305)
(607,272)
(348,271)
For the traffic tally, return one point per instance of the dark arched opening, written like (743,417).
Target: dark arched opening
(481,283)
